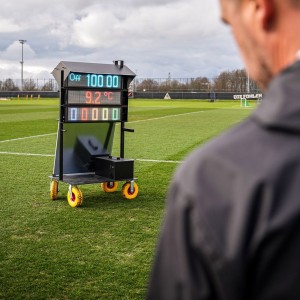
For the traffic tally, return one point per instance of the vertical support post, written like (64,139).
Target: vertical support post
(124,115)
(61,126)
(122,140)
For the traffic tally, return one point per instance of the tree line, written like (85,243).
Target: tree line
(226,81)
(28,85)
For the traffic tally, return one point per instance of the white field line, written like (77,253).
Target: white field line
(51,155)
(27,154)
(27,137)
(159,161)
(165,117)
(138,121)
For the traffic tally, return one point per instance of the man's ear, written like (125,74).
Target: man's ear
(266,13)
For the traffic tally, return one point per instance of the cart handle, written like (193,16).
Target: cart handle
(128,130)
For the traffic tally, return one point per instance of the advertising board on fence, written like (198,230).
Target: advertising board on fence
(247,96)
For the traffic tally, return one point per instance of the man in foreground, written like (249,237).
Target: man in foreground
(232,226)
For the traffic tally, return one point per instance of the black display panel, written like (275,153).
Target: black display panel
(93,114)
(90,80)
(94,97)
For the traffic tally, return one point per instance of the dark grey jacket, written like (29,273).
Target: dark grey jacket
(232,228)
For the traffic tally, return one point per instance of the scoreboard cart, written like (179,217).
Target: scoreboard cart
(93,98)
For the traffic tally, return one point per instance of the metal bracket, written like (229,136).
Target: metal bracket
(70,190)
(132,186)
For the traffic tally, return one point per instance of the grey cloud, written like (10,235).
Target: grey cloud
(184,37)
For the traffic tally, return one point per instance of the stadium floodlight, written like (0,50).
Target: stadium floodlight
(248,82)
(22,63)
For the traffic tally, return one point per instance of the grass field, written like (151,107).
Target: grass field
(104,249)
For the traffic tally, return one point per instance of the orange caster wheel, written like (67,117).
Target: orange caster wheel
(54,190)
(109,187)
(129,192)
(75,197)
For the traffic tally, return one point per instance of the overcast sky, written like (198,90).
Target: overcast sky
(154,37)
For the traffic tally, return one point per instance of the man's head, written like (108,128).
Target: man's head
(267,33)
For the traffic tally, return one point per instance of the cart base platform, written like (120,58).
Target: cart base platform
(86,178)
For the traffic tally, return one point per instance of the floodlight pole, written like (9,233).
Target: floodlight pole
(22,42)
(248,83)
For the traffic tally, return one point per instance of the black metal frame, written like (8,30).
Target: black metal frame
(87,178)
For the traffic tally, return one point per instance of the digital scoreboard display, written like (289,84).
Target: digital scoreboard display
(93,114)
(94,98)
(89,80)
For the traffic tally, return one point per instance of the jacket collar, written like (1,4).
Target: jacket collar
(280,108)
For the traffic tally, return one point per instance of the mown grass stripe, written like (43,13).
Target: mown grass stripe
(130,122)
(159,161)
(27,137)
(51,155)
(165,117)
(26,154)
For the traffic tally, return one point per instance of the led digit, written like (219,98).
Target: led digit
(109,81)
(115,81)
(105,114)
(115,114)
(100,81)
(88,97)
(98,96)
(94,80)
(95,114)
(73,114)
(88,80)
(84,114)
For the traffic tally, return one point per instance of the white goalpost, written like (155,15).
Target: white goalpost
(245,102)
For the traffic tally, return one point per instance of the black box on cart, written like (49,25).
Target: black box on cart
(114,168)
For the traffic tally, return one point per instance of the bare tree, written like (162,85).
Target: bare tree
(48,86)
(29,85)
(9,85)
(201,84)
(234,81)
(148,85)
(221,82)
